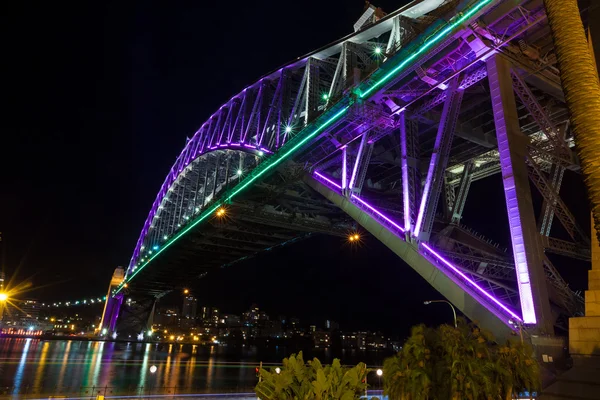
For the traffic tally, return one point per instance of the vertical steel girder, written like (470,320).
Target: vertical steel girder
(364,166)
(438,162)
(411,176)
(463,191)
(357,161)
(312,90)
(527,249)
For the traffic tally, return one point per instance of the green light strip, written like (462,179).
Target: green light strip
(286,154)
(277,159)
(435,39)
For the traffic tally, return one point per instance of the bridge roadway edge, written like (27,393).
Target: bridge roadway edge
(408,252)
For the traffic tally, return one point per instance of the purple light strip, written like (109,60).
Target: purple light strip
(328,180)
(469,280)
(404,162)
(344,168)
(370,207)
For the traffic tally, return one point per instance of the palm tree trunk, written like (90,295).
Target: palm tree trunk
(582,91)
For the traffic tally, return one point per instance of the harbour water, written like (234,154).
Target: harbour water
(35,368)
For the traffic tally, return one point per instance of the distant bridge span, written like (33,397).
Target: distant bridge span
(387,127)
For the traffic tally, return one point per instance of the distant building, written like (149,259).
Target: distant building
(166,316)
(29,309)
(321,339)
(190,304)
(230,320)
(376,342)
(331,325)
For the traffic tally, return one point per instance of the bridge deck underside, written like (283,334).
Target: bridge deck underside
(270,215)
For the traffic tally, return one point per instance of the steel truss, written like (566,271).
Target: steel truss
(439,110)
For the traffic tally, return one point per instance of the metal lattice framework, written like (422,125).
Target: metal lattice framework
(393,124)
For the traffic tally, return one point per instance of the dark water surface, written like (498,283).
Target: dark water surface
(32,366)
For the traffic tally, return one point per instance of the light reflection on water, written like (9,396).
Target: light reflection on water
(37,366)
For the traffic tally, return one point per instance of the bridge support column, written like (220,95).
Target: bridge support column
(112,306)
(526,243)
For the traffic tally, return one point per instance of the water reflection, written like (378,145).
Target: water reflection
(19,373)
(74,367)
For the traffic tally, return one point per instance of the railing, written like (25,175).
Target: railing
(92,392)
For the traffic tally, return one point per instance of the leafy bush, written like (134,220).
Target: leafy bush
(298,380)
(459,363)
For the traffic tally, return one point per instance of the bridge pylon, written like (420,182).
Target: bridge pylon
(112,305)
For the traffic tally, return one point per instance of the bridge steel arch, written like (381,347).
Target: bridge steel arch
(390,126)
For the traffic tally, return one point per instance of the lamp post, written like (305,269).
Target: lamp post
(443,301)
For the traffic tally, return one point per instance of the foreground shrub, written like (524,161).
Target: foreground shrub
(308,381)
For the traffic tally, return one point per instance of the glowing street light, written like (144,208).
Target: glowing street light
(186,291)
(153,369)
(220,212)
(239,172)
(377,50)
(278,370)
(379,372)
(325,96)
(288,129)
(355,237)
(3,297)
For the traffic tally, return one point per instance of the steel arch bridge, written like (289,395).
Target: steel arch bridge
(387,127)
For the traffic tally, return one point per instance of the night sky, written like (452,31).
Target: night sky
(99,98)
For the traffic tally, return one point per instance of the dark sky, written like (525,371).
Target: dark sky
(98,100)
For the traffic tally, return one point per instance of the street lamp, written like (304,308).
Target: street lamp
(278,370)
(443,301)
(3,297)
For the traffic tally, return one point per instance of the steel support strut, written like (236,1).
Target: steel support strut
(438,163)
(411,179)
(512,147)
(463,191)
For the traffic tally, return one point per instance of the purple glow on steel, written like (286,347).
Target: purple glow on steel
(370,207)
(344,168)
(424,198)
(169,180)
(376,211)
(404,162)
(328,180)
(358,156)
(510,188)
(470,281)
